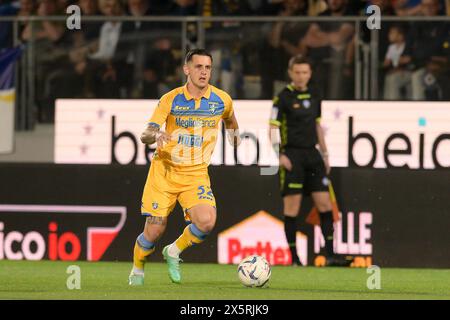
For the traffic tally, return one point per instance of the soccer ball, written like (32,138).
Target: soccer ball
(254,271)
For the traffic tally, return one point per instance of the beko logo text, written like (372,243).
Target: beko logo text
(389,151)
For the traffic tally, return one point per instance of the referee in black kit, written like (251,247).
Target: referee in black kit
(303,169)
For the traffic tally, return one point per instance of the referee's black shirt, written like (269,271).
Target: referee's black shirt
(296,114)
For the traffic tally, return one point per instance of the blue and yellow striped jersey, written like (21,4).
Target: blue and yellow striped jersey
(193,125)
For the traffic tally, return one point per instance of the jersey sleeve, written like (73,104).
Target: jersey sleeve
(228,106)
(161,112)
(277,110)
(319,107)
(319,111)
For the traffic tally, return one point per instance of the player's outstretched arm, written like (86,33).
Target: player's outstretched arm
(152,134)
(232,129)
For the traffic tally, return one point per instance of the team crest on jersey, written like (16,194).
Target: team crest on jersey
(306,103)
(212,106)
(155,205)
(296,105)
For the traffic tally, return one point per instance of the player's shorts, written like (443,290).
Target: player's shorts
(308,173)
(164,187)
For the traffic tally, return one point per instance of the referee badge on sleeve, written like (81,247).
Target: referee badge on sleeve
(306,103)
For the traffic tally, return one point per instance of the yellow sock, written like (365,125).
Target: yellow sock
(190,236)
(142,249)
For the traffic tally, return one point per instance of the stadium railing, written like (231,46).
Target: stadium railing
(247,64)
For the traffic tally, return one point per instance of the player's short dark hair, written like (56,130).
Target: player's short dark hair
(193,52)
(299,59)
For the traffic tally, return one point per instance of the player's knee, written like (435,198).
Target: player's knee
(206,220)
(206,224)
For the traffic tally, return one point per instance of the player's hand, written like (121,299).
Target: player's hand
(285,162)
(234,137)
(161,138)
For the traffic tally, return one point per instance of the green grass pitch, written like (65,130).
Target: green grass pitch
(108,280)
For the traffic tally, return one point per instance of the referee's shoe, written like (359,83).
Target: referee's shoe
(296,262)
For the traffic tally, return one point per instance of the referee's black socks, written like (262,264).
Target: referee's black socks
(326,224)
(290,229)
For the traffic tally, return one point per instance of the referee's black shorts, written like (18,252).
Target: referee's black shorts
(308,172)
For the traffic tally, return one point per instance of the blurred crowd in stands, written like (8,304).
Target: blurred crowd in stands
(141,59)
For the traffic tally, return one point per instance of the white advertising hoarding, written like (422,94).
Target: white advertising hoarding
(108,131)
(387,134)
(358,133)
